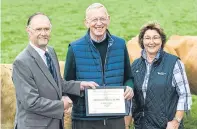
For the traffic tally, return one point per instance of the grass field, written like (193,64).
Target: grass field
(127,16)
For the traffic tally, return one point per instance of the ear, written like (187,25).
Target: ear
(108,20)
(86,23)
(28,30)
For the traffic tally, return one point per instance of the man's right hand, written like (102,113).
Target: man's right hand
(86,84)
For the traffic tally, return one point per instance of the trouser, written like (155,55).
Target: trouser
(117,123)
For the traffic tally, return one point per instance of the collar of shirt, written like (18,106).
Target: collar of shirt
(40,52)
(143,53)
(100,40)
(110,40)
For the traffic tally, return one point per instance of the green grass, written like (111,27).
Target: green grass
(127,16)
(191,120)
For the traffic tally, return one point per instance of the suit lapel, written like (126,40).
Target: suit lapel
(56,65)
(43,68)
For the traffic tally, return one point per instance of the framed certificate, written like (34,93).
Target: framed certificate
(105,101)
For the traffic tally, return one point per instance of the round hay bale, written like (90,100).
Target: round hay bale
(8,100)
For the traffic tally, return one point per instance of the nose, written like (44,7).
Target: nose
(99,22)
(151,41)
(43,32)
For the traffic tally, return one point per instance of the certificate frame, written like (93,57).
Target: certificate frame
(105,88)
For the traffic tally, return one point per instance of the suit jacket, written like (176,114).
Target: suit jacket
(38,96)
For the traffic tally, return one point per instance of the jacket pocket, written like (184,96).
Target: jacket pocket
(39,122)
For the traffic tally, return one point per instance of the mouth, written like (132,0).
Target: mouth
(43,38)
(151,47)
(99,28)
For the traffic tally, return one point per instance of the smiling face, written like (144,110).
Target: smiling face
(152,42)
(97,20)
(39,31)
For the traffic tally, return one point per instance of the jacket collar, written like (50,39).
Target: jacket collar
(110,39)
(34,54)
(158,56)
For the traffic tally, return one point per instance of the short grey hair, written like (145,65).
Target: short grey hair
(96,6)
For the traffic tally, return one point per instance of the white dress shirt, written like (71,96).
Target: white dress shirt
(40,52)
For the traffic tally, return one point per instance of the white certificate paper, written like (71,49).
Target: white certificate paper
(105,101)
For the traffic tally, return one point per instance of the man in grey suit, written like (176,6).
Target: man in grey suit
(38,83)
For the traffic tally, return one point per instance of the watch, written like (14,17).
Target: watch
(177,119)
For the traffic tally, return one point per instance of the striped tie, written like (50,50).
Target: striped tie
(51,66)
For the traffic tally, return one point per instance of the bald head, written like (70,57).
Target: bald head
(39,15)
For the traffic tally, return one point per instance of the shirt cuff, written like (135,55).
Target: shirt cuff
(129,83)
(183,107)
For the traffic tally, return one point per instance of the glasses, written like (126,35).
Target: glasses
(154,39)
(101,19)
(40,30)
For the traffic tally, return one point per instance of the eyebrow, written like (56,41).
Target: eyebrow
(150,36)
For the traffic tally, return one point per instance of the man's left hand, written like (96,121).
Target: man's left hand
(128,94)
